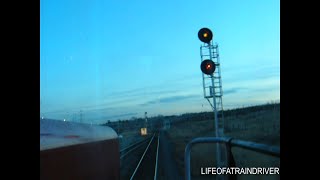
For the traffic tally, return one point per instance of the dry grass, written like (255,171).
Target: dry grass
(261,127)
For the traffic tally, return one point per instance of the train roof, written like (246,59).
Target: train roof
(56,133)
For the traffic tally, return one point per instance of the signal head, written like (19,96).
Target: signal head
(205,35)
(208,67)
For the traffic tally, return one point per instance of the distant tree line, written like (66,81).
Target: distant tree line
(156,122)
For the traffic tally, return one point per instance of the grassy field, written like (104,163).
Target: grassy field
(260,126)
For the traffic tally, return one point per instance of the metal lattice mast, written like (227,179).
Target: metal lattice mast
(212,85)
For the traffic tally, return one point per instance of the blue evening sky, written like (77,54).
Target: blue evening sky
(116,59)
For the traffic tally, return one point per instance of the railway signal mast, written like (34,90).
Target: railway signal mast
(212,85)
(146,118)
(144,130)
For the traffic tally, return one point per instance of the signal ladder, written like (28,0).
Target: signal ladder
(212,85)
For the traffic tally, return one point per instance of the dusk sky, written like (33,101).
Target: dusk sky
(116,59)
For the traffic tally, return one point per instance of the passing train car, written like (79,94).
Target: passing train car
(70,150)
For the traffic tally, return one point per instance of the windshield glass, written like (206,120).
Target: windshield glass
(135,66)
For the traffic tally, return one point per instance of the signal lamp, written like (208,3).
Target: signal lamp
(205,35)
(208,67)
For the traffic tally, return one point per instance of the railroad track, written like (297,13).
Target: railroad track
(125,151)
(140,160)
